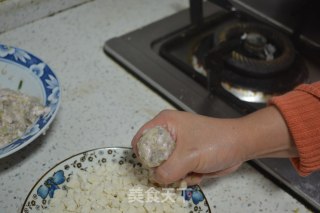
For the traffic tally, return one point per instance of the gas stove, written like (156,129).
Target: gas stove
(238,59)
(226,59)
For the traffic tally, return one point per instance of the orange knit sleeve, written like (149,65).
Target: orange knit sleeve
(301,110)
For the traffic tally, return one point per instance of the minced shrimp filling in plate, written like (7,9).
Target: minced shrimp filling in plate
(18,112)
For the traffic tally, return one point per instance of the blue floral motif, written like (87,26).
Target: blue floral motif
(21,55)
(52,82)
(51,184)
(9,148)
(35,129)
(193,193)
(6,50)
(38,69)
(52,109)
(18,54)
(54,97)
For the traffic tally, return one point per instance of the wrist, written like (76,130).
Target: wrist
(264,134)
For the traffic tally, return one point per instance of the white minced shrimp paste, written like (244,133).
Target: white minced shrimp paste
(155,146)
(116,189)
(18,111)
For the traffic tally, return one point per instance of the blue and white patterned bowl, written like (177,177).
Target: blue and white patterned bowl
(20,70)
(58,177)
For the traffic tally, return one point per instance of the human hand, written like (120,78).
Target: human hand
(204,147)
(211,147)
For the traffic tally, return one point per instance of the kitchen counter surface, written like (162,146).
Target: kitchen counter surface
(103,105)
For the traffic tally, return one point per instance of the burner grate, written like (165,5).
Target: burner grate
(219,57)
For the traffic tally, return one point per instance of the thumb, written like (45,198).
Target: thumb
(175,168)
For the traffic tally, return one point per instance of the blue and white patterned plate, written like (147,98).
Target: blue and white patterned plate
(20,70)
(58,178)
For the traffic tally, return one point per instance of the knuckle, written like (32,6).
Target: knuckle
(167,113)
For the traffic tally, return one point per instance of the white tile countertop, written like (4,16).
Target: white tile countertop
(103,105)
(15,13)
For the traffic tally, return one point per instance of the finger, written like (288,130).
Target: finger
(176,167)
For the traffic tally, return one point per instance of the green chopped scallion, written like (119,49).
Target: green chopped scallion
(20,84)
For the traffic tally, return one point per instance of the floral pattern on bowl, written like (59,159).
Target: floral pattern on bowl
(58,177)
(18,68)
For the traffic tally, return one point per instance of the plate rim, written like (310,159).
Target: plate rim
(48,123)
(83,152)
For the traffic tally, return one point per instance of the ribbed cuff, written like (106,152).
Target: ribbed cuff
(301,111)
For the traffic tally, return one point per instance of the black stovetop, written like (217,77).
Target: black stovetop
(139,53)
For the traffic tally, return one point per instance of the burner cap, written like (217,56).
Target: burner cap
(256,45)
(262,51)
